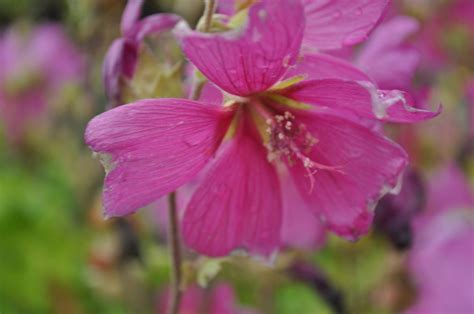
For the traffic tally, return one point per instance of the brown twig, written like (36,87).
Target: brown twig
(173,234)
(174,240)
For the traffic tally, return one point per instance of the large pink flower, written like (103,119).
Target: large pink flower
(34,67)
(271,124)
(121,58)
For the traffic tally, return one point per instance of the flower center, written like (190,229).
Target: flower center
(291,142)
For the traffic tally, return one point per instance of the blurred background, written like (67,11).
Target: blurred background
(58,254)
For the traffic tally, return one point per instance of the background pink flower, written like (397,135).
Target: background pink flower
(122,56)
(35,65)
(442,258)
(219,299)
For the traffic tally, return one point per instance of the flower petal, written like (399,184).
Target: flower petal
(154,146)
(130,16)
(300,226)
(333,24)
(322,66)
(448,189)
(251,59)
(211,94)
(238,203)
(366,166)
(386,58)
(154,24)
(120,61)
(360,98)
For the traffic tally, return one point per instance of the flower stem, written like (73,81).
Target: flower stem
(209,9)
(173,223)
(174,243)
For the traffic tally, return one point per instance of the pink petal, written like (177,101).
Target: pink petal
(211,94)
(130,16)
(251,59)
(192,298)
(300,226)
(322,66)
(386,58)
(449,189)
(226,7)
(358,98)
(223,300)
(366,166)
(120,61)
(333,24)
(238,203)
(153,147)
(444,246)
(52,51)
(154,24)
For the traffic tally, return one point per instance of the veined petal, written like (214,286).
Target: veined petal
(153,147)
(360,98)
(238,203)
(322,66)
(253,58)
(301,227)
(333,24)
(130,16)
(362,167)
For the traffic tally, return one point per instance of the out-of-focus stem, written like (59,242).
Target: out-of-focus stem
(209,9)
(174,241)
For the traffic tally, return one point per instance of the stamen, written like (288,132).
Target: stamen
(291,142)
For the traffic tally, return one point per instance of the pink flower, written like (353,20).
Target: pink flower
(271,121)
(34,67)
(387,57)
(121,58)
(330,25)
(453,19)
(442,257)
(218,300)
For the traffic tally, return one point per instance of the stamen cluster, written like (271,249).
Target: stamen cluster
(288,139)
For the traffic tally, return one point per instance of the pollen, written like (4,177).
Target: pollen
(291,142)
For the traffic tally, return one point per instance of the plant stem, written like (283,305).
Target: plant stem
(173,223)
(209,9)
(173,238)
